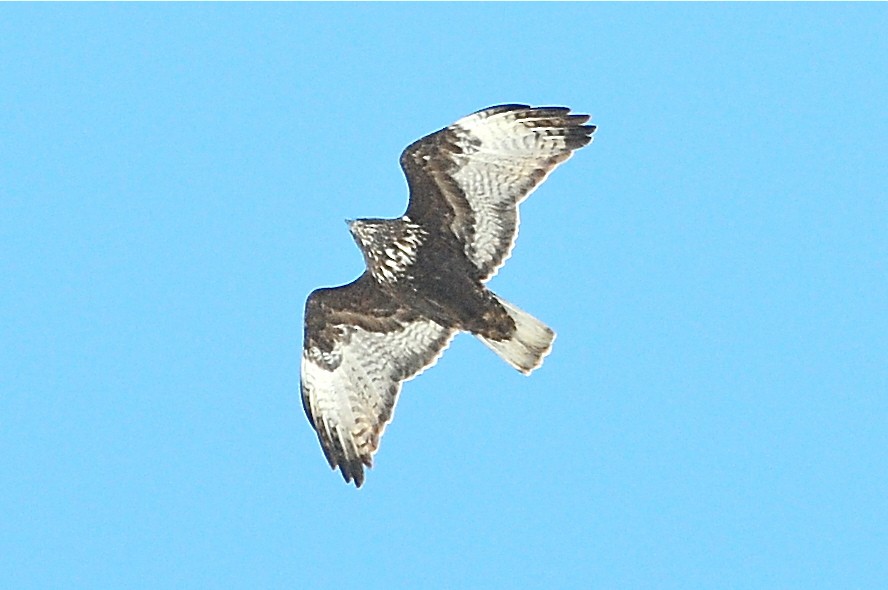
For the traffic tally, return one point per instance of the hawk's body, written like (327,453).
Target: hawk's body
(426,274)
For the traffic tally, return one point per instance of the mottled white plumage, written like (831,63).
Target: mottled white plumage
(505,157)
(496,158)
(399,254)
(352,398)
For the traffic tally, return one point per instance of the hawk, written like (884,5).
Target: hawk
(426,275)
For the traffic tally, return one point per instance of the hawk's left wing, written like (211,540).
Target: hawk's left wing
(359,347)
(470,177)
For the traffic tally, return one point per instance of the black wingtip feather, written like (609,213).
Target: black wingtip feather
(352,472)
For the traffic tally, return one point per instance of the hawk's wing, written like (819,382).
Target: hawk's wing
(471,176)
(359,346)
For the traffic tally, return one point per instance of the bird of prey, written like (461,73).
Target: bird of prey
(426,274)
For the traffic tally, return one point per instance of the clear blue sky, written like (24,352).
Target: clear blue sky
(173,183)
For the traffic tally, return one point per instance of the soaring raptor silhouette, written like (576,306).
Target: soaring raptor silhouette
(426,274)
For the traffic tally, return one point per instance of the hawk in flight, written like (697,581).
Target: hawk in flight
(426,275)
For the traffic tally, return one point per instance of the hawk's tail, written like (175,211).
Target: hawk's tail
(529,343)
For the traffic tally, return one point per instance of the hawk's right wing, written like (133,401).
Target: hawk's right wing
(359,347)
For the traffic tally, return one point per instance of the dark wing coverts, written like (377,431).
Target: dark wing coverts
(359,346)
(471,176)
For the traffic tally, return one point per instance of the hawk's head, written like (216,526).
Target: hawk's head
(389,245)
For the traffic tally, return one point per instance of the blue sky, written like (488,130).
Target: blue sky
(173,183)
